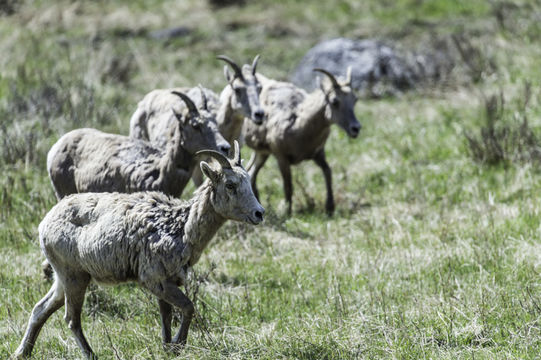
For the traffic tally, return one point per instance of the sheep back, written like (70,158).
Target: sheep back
(280,100)
(88,160)
(154,119)
(117,237)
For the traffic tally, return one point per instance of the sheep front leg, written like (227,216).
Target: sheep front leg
(171,294)
(166,317)
(259,161)
(285,170)
(321,161)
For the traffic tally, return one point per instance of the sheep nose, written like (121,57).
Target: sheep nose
(355,130)
(224,148)
(258,116)
(258,214)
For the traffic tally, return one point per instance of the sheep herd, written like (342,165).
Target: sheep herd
(118,216)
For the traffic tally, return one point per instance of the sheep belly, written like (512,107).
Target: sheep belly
(108,256)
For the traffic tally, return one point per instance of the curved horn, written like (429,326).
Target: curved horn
(254,64)
(236,156)
(203,98)
(189,103)
(348,76)
(221,158)
(330,76)
(236,68)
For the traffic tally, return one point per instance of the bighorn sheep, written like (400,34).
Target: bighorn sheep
(145,237)
(238,100)
(298,125)
(88,160)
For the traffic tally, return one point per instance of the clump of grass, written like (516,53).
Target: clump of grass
(203,323)
(40,106)
(477,62)
(33,115)
(506,137)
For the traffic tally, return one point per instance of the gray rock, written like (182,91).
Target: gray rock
(372,62)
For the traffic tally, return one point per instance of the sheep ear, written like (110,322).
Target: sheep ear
(228,76)
(181,119)
(321,86)
(209,172)
(348,76)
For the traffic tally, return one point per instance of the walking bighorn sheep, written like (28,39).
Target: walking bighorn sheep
(88,160)
(298,125)
(145,237)
(237,101)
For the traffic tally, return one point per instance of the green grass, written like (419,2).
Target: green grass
(429,255)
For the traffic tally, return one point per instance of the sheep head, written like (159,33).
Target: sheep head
(198,129)
(233,197)
(245,89)
(340,102)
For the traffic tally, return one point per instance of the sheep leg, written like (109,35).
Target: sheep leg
(41,312)
(259,161)
(166,317)
(321,161)
(285,170)
(75,288)
(171,294)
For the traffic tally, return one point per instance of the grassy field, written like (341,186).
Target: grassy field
(433,252)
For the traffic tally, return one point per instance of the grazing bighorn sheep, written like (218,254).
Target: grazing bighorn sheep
(238,100)
(298,125)
(88,160)
(145,237)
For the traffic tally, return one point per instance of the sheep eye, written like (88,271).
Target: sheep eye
(238,91)
(335,102)
(230,186)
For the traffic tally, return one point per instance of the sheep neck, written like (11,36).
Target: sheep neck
(203,221)
(229,120)
(311,113)
(176,166)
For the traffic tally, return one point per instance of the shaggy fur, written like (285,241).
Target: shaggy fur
(146,237)
(88,160)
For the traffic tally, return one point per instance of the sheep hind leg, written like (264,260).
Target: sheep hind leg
(75,289)
(41,312)
(285,170)
(321,161)
(259,161)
